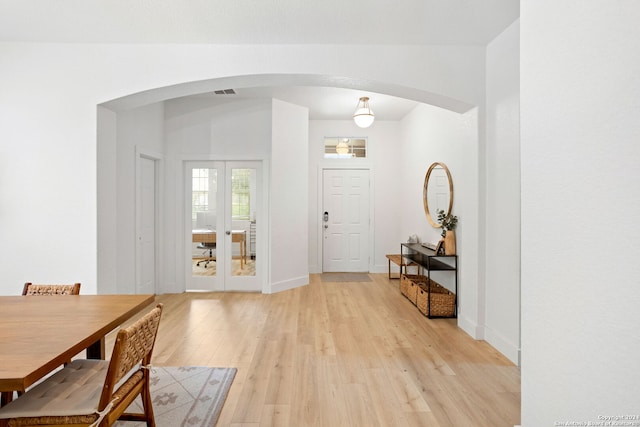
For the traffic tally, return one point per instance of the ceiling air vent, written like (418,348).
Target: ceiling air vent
(225,92)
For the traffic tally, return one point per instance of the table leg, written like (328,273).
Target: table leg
(96,350)
(5,397)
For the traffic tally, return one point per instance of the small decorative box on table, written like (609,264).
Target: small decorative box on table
(432,299)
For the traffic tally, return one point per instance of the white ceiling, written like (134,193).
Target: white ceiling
(257,21)
(324,103)
(443,22)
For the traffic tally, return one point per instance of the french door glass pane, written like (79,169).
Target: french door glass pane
(204,192)
(243,224)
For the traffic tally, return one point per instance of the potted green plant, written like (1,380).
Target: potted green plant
(448,224)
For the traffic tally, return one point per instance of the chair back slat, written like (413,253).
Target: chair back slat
(57,289)
(133,346)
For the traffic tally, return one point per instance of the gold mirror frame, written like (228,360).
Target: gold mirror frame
(432,219)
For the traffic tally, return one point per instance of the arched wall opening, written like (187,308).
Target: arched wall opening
(147,122)
(160,94)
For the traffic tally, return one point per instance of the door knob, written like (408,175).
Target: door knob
(227,232)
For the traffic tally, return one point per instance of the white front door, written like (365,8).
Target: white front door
(222,224)
(345,220)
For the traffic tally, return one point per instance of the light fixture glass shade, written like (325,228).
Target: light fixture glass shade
(342,147)
(363,116)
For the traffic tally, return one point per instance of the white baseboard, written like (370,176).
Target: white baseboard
(288,284)
(503,345)
(170,288)
(315,269)
(508,349)
(382,268)
(476,332)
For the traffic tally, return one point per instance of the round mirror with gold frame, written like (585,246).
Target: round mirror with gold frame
(437,193)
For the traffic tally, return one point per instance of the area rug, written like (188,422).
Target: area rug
(345,277)
(189,396)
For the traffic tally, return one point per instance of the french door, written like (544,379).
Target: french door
(221,227)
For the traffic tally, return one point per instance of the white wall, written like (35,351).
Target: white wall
(288,198)
(502,242)
(580,151)
(119,136)
(383,159)
(141,128)
(236,130)
(107,196)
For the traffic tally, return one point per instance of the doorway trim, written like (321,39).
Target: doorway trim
(320,198)
(158,159)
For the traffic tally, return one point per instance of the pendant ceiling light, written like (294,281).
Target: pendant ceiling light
(363,115)
(342,147)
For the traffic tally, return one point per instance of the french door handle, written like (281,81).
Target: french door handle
(227,232)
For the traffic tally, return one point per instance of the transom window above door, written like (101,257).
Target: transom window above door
(345,147)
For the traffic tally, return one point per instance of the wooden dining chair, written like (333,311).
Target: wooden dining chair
(92,392)
(32,289)
(57,289)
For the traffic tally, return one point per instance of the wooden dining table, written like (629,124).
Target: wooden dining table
(40,333)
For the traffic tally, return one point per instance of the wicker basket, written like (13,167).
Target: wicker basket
(409,285)
(443,302)
(404,284)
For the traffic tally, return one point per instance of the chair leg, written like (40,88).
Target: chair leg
(147,405)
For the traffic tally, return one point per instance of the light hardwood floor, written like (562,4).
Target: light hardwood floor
(339,354)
